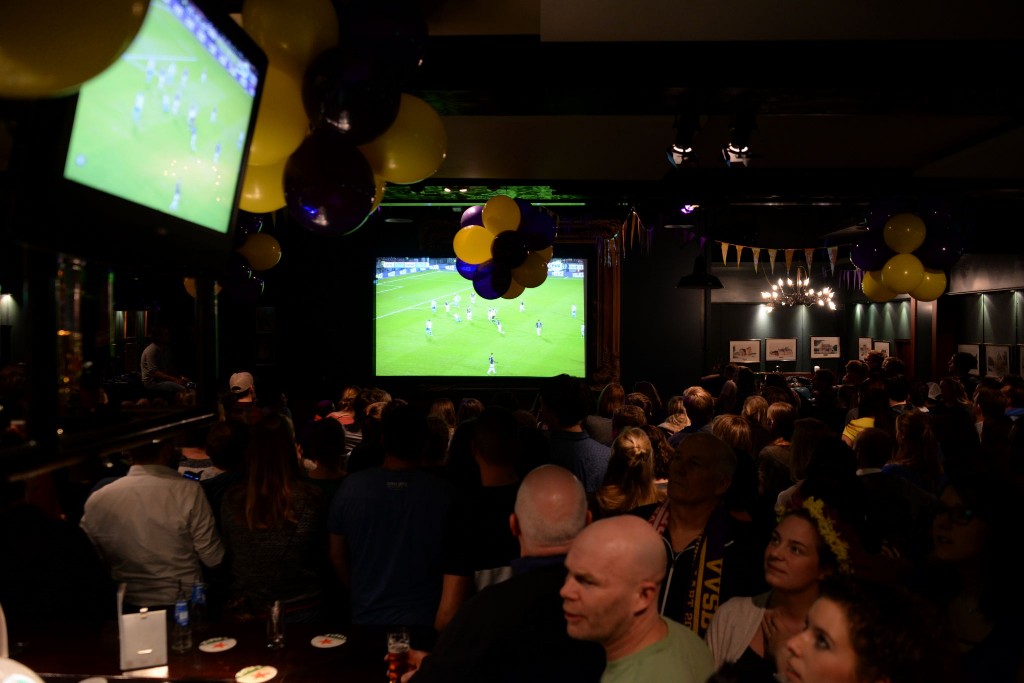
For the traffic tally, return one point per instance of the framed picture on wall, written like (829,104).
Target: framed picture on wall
(997,359)
(863,346)
(745,351)
(824,347)
(974,350)
(882,346)
(780,349)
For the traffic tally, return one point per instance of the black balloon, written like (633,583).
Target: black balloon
(247,224)
(538,230)
(491,280)
(509,249)
(940,249)
(328,184)
(358,97)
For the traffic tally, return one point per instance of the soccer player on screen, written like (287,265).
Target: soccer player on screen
(522,306)
(447,307)
(499,326)
(433,306)
(583,330)
(490,367)
(538,327)
(574,310)
(469,314)
(430,329)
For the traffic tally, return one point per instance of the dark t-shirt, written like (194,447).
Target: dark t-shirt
(479,537)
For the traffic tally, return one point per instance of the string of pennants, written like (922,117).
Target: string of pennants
(788,254)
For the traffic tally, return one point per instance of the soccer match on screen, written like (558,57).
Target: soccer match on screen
(165,126)
(429,321)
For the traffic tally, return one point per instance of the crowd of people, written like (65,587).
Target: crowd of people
(857,529)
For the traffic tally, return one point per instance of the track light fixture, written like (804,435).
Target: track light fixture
(737,150)
(681,152)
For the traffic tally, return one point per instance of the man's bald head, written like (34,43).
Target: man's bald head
(610,596)
(630,543)
(551,507)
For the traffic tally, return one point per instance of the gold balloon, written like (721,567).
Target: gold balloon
(500,214)
(533,272)
(904,232)
(292,33)
(902,273)
(281,122)
(514,290)
(932,286)
(261,250)
(263,188)
(872,286)
(412,148)
(545,253)
(472,244)
(50,47)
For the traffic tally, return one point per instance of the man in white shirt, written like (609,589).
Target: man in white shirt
(153,528)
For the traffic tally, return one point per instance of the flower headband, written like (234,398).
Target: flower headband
(827,529)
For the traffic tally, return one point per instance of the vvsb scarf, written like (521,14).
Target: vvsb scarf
(705,569)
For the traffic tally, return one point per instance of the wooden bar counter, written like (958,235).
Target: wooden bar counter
(72,655)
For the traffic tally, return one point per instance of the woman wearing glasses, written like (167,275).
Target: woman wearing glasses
(974,577)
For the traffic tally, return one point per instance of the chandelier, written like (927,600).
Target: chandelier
(797,293)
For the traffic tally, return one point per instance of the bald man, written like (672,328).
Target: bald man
(610,596)
(515,630)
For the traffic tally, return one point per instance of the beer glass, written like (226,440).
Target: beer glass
(398,652)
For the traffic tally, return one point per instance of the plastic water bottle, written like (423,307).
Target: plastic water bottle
(198,610)
(181,628)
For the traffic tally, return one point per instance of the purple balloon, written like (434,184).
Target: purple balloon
(328,184)
(356,97)
(491,280)
(474,215)
(538,230)
(467,270)
(509,249)
(870,252)
(526,209)
(940,249)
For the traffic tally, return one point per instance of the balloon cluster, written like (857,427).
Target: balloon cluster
(257,251)
(905,257)
(504,247)
(334,126)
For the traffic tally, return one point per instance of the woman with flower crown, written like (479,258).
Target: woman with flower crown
(806,546)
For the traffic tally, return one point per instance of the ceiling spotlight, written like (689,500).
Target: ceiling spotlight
(732,154)
(681,152)
(737,150)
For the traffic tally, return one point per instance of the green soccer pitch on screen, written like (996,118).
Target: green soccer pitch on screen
(167,125)
(430,322)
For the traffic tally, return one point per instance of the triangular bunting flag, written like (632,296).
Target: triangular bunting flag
(757,256)
(725,252)
(832,252)
(809,256)
(771,258)
(789,259)
(739,254)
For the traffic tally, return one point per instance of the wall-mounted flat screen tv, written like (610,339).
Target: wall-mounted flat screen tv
(152,151)
(430,322)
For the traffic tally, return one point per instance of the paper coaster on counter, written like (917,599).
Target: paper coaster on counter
(217,644)
(255,674)
(329,640)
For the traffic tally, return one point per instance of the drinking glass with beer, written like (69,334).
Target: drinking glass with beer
(398,652)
